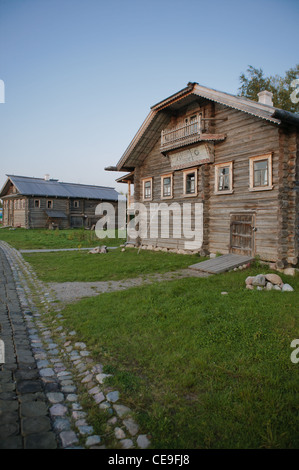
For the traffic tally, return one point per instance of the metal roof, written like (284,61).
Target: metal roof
(28,186)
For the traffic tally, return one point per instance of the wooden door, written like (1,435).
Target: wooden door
(242,234)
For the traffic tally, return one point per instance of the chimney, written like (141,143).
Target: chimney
(265,97)
(47,177)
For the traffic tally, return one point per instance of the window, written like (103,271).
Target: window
(166,186)
(147,189)
(49,204)
(260,171)
(36,203)
(190,182)
(76,204)
(224,178)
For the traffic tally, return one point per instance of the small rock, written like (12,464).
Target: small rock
(249,286)
(224,293)
(92,440)
(55,397)
(259,280)
(102,377)
(287,288)
(290,271)
(248,280)
(87,378)
(99,397)
(68,438)
(80,345)
(121,410)
(85,429)
(276,287)
(126,443)
(58,410)
(113,396)
(269,286)
(131,426)
(142,441)
(72,397)
(119,433)
(47,372)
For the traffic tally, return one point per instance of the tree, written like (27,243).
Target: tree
(285,89)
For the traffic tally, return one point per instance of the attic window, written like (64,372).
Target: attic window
(76,204)
(49,204)
(36,203)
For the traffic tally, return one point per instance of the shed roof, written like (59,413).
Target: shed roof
(28,186)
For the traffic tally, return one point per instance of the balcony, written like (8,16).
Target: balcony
(180,136)
(190,133)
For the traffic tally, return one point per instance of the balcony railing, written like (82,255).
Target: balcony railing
(189,132)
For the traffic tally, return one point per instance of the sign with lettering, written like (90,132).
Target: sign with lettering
(202,153)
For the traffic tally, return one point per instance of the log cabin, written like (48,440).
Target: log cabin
(234,159)
(48,203)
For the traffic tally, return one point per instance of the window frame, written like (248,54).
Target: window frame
(163,177)
(218,167)
(252,161)
(51,203)
(145,180)
(76,204)
(185,174)
(36,206)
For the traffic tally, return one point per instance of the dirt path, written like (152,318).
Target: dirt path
(68,292)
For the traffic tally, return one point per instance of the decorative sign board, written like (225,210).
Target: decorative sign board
(202,153)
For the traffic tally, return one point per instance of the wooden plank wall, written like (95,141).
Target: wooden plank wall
(247,136)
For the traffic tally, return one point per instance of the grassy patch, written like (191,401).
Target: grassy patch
(200,369)
(23,239)
(115,265)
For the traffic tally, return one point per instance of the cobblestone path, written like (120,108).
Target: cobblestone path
(24,419)
(48,373)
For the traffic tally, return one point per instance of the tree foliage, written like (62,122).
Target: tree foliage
(285,90)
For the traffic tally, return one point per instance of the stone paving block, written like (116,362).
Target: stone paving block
(45,440)
(36,425)
(34,408)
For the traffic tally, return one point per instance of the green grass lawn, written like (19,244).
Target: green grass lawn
(23,239)
(114,265)
(200,369)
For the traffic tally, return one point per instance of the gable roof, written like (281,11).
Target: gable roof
(159,117)
(28,186)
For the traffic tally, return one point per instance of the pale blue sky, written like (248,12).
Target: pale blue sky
(80,75)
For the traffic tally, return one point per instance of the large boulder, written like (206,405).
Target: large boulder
(274,279)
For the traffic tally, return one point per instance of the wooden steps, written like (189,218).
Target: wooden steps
(221,263)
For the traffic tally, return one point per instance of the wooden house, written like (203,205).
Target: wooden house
(49,203)
(235,158)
